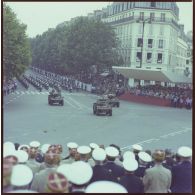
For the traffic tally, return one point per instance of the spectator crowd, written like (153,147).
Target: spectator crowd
(95,168)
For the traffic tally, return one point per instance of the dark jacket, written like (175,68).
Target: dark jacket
(182,178)
(115,171)
(132,183)
(140,171)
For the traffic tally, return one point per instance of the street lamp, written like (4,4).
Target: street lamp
(143,22)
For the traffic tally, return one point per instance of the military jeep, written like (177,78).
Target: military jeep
(55,98)
(102,107)
(113,101)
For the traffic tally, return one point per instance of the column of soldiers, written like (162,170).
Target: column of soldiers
(94,168)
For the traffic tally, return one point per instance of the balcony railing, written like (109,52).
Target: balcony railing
(153,20)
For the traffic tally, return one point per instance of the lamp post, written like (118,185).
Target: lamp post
(143,22)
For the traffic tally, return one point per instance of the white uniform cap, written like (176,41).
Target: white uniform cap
(34,144)
(99,154)
(45,147)
(137,147)
(21,155)
(81,173)
(65,169)
(111,151)
(83,149)
(184,151)
(130,164)
(128,154)
(105,187)
(72,145)
(24,145)
(8,148)
(144,157)
(21,175)
(93,145)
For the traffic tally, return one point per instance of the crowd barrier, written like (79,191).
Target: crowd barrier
(145,99)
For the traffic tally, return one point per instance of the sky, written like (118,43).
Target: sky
(39,16)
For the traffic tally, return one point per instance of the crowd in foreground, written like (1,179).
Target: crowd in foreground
(95,168)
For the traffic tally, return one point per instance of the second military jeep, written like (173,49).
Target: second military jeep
(54,98)
(102,107)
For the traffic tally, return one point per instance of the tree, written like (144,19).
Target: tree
(16,48)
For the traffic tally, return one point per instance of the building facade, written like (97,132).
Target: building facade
(149,33)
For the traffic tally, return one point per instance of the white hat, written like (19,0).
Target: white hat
(137,147)
(184,151)
(105,187)
(34,144)
(45,147)
(99,154)
(81,173)
(83,149)
(93,145)
(8,148)
(21,175)
(128,154)
(130,164)
(21,155)
(23,145)
(72,145)
(64,169)
(144,157)
(111,151)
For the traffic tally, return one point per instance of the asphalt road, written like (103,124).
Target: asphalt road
(27,117)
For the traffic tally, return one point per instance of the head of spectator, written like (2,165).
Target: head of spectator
(130,165)
(51,159)
(77,156)
(34,144)
(21,177)
(8,148)
(57,183)
(158,156)
(11,159)
(59,148)
(45,148)
(16,146)
(105,187)
(22,156)
(117,147)
(72,148)
(99,156)
(111,153)
(185,153)
(81,173)
(24,147)
(84,152)
(7,170)
(144,158)
(137,148)
(32,152)
(128,154)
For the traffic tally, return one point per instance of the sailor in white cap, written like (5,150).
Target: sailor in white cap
(105,187)
(144,160)
(24,147)
(35,144)
(72,149)
(51,161)
(132,183)
(118,159)
(136,149)
(115,171)
(22,156)
(84,152)
(91,160)
(64,169)
(182,172)
(81,173)
(21,177)
(99,172)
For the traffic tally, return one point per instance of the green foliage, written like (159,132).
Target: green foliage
(76,47)
(16,47)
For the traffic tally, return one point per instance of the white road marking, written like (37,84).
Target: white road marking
(186,129)
(70,104)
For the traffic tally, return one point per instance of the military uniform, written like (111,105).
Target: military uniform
(182,173)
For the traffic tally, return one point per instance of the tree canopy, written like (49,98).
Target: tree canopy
(76,47)
(16,47)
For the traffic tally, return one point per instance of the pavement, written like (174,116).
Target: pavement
(27,117)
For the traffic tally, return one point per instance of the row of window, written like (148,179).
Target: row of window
(149,57)
(150,43)
(152,16)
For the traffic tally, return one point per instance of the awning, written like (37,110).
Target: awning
(152,74)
